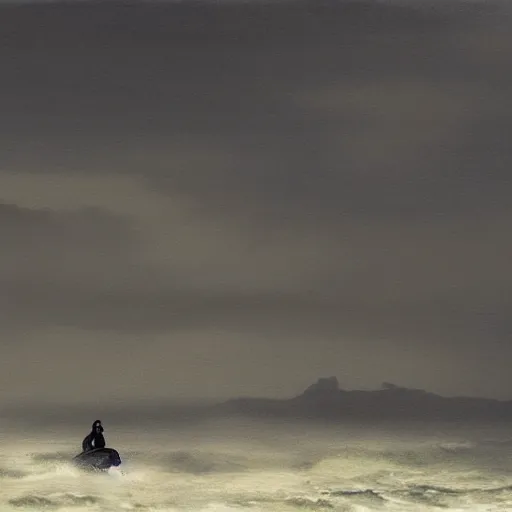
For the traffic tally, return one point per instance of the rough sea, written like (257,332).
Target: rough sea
(249,465)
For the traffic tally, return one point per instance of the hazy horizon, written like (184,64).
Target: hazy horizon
(150,405)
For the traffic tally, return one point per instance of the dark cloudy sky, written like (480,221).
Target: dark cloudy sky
(218,199)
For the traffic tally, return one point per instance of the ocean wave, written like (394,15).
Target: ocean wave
(365,493)
(198,463)
(309,503)
(49,457)
(182,475)
(54,501)
(426,489)
(11,473)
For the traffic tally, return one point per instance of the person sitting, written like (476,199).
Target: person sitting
(95,438)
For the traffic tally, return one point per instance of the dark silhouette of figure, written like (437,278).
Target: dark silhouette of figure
(95,438)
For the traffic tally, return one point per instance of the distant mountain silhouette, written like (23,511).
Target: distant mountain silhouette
(325,400)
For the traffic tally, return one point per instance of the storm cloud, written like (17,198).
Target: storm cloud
(302,188)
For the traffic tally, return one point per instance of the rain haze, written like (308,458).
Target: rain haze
(210,200)
(266,245)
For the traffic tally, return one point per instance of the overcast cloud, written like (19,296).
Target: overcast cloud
(208,200)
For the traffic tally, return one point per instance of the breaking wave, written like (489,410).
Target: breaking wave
(264,469)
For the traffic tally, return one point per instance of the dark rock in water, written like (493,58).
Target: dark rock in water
(100,459)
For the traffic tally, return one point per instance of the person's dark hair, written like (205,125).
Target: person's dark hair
(97,424)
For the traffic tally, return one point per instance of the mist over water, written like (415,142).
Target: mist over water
(244,464)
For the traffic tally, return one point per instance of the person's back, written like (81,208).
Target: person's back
(95,438)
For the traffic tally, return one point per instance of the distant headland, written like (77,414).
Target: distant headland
(324,399)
